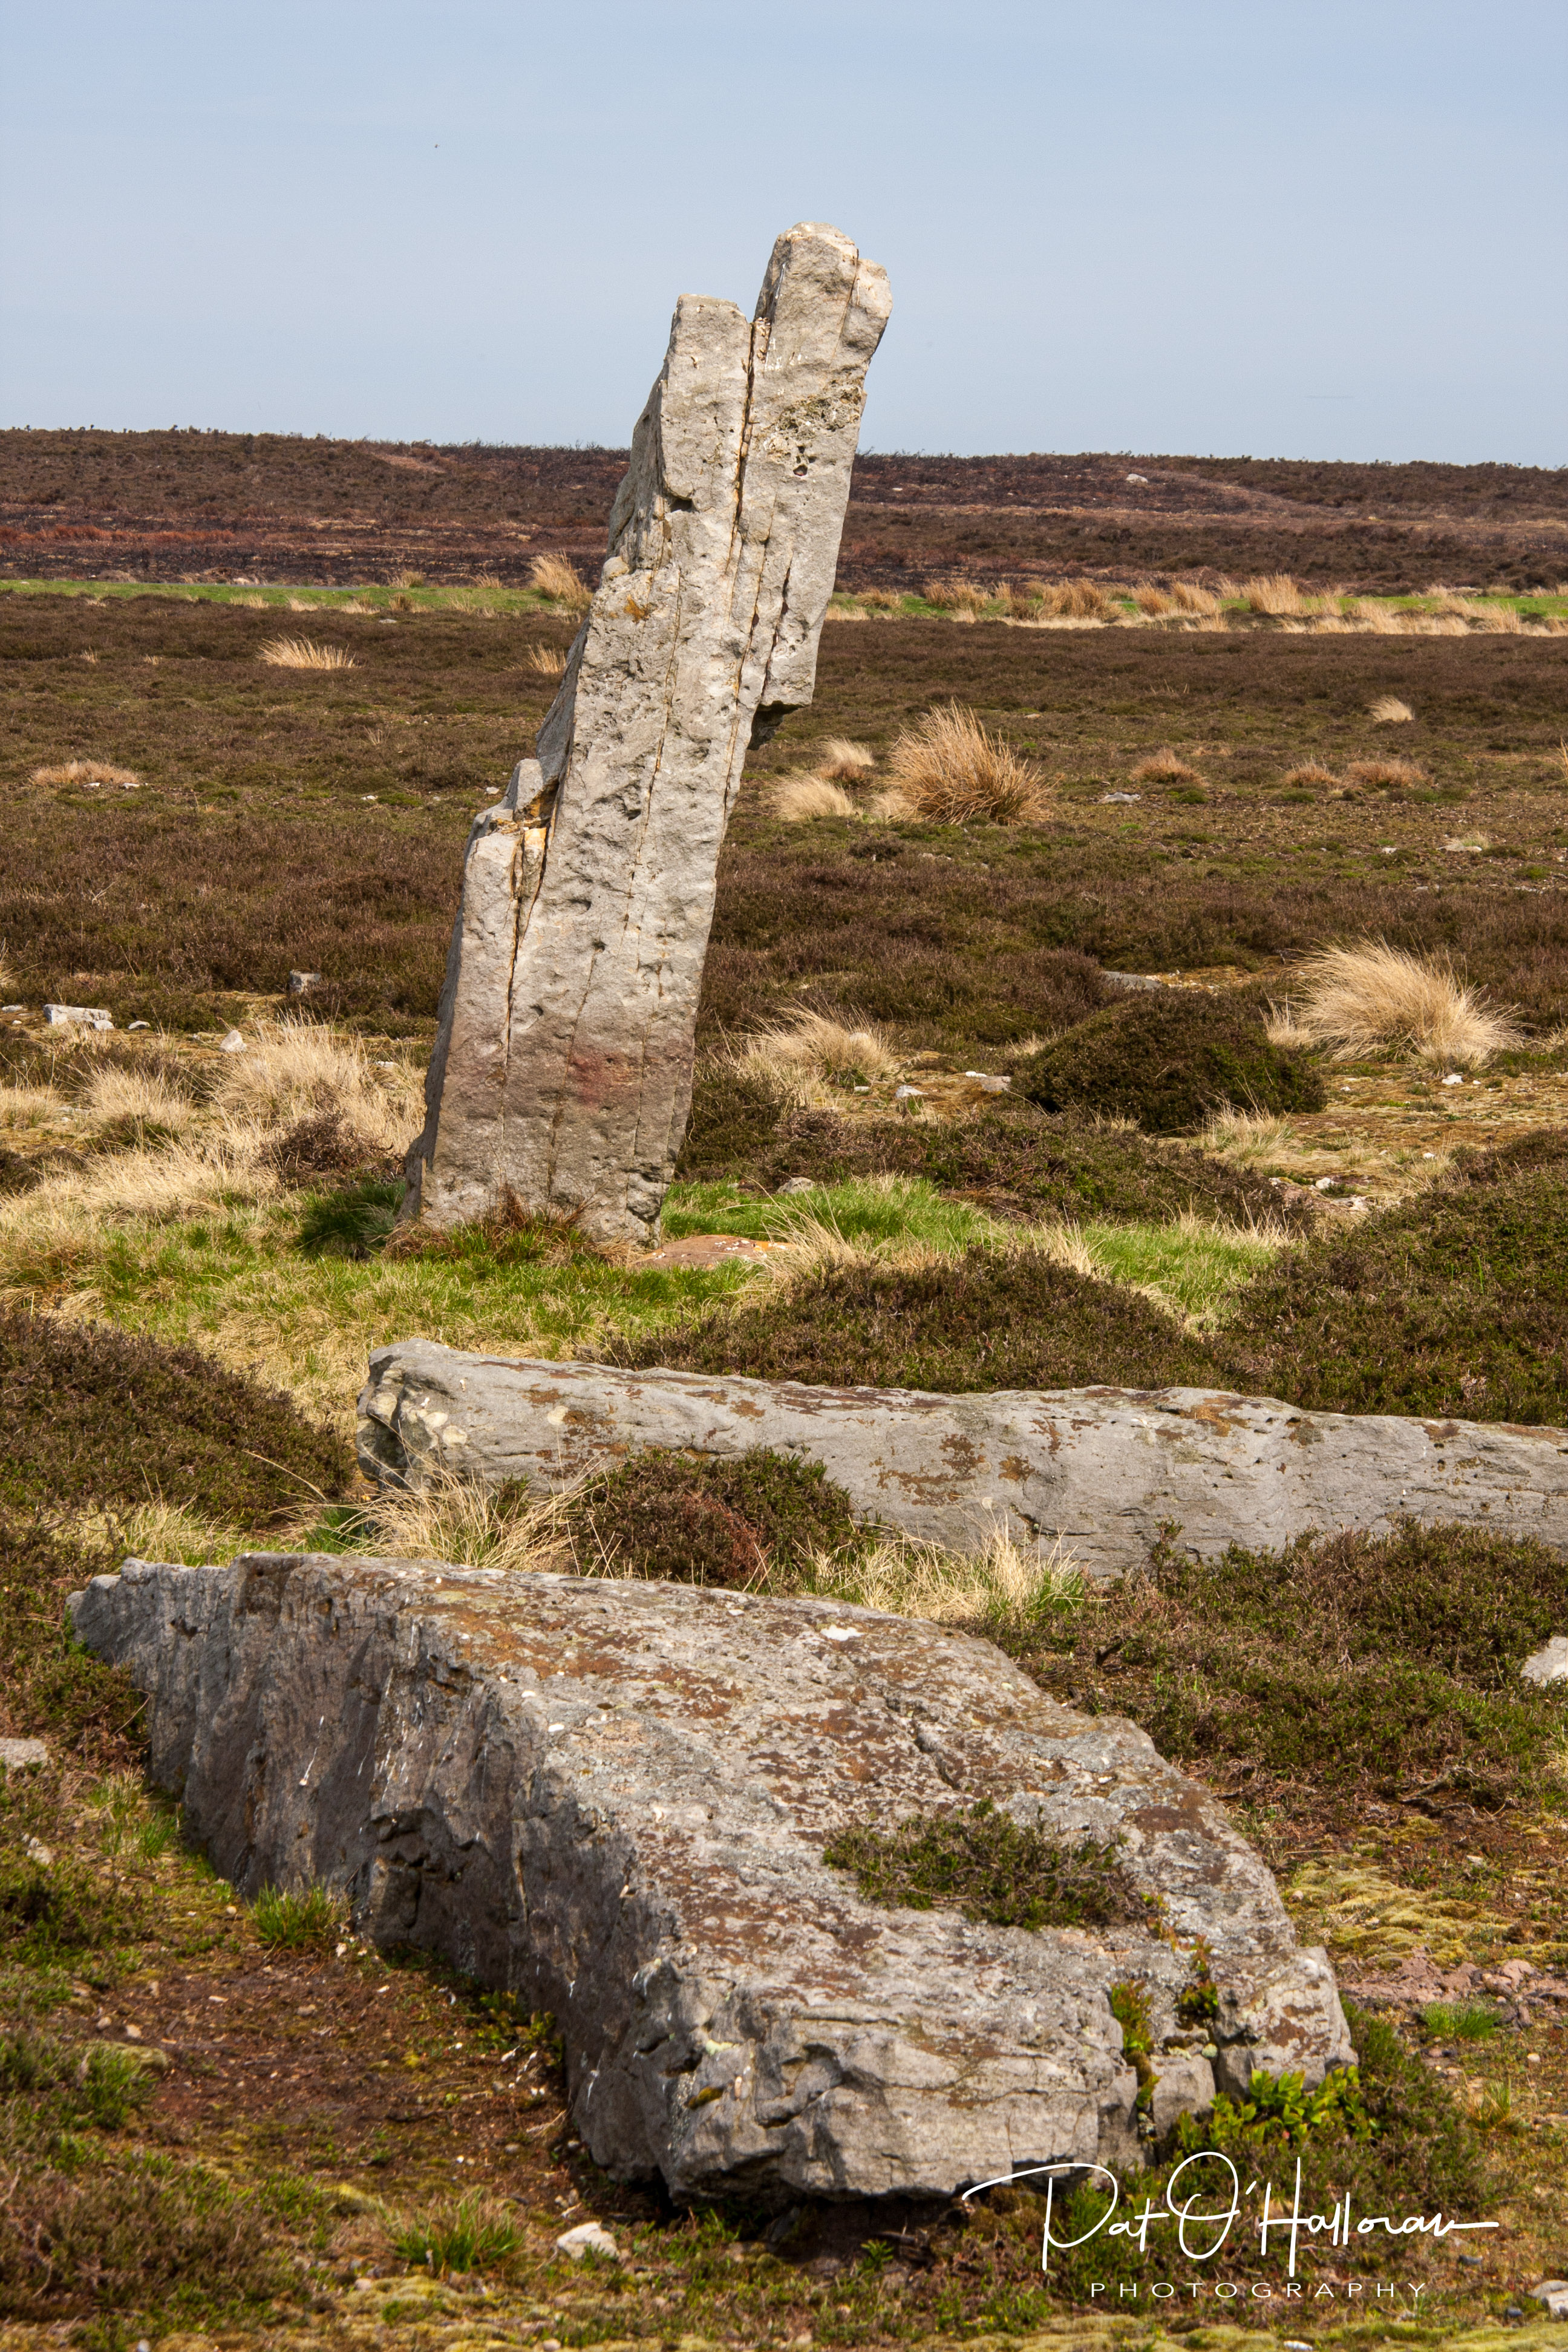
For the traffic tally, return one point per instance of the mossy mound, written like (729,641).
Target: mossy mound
(750,1522)
(1011,1158)
(1167,1059)
(989,1867)
(987,1319)
(91,1415)
(1338,1670)
(1453,1304)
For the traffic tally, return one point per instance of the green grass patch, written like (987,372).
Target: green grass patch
(468,2233)
(308,1922)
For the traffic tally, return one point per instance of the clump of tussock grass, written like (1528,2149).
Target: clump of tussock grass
(1164,767)
(1246,1137)
(546,661)
(798,1056)
(844,763)
(89,772)
(300,1069)
(1385,775)
(1189,598)
(1275,594)
(558,581)
(994,1583)
(1372,997)
(1153,601)
(1389,711)
(797,799)
(881,599)
(1310,773)
(1077,599)
(304,653)
(950,769)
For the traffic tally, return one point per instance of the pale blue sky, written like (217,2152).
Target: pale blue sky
(1289,228)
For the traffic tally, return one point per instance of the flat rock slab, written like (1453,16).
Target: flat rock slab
(1099,1470)
(613,1798)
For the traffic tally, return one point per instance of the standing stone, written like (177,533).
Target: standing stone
(563,1067)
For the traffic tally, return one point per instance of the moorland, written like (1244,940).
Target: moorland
(197,1249)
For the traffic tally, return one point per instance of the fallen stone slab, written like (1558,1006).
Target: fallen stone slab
(613,1798)
(78,1017)
(1097,1470)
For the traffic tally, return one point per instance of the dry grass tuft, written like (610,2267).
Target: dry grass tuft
(1154,600)
(1164,767)
(303,653)
(561,581)
(1188,598)
(1371,996)
(88,772)
(798,1055)
(1311,771)
(300,1069)
(892,807)
(1389,711)
(1246,1137)
(845,762)
(1397,775)
(468,1526)
(796,799)
(1274,594)
(1078,600)
(999,1580)
(546,661)
(881,599)
(142,1098)
(950,769)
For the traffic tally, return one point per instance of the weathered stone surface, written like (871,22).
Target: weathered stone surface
(562,1064)
(1098,1469)
(22,1755)
(612,1796)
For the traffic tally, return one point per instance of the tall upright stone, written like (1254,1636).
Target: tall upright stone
(563,1059)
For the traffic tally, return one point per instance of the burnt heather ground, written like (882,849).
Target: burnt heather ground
(174,506)
(322,2110)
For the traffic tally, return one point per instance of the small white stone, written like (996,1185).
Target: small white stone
(18,1755)
(232,1043)
(588,2238)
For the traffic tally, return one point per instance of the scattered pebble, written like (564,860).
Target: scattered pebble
(907,1094)
(22,1755)
(232,1043)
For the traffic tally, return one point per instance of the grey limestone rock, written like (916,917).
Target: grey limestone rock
(78,1017)
(563,1065)
(1097,1470)
(612,1796)
(1549,1664)
(22,1755)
